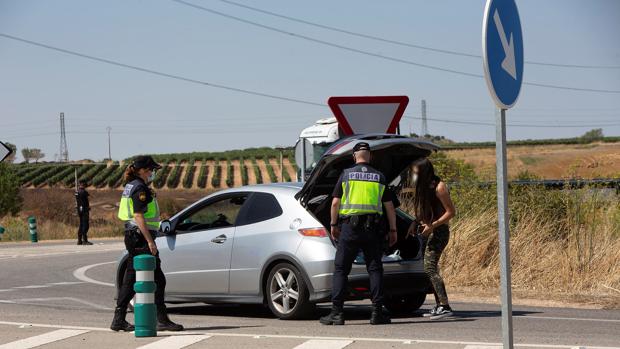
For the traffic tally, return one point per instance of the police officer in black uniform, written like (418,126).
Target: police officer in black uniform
(357,206)
(139,209)
(83,210)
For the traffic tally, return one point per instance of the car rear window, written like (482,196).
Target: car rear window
(261,207)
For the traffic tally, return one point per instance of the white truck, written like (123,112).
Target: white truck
(320,137)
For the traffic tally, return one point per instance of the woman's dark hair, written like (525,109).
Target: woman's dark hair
(130,174)
(424,193)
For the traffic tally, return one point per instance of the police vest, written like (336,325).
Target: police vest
(362,193)
(125,209)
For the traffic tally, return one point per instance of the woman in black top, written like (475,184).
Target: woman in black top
(433,210)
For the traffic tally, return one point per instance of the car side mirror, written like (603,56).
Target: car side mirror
(165,227)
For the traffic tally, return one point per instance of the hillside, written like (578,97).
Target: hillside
(554,161)
(257,166)
(180,171)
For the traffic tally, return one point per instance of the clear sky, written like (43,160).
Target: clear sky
(155,114)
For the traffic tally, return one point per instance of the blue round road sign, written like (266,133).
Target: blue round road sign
(502,51)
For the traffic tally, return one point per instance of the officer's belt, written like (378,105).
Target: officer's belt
(362,217)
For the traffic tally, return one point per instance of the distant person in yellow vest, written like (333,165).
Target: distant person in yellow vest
(357,206)
(140,212)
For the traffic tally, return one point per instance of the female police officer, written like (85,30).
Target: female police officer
(139,209)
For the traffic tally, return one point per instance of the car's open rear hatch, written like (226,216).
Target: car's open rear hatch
(392,155)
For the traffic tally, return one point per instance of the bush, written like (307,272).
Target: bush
(204,173)
(10,198)
(100,179)
(230,174)
(270,171)
(257,171)
(53,176)
(244,172)
(188,179)
(217,175)
(69,180)
(36,171)
(160,178)
(116,177)
(175,176)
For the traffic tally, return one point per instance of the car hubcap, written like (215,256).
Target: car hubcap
(284,290)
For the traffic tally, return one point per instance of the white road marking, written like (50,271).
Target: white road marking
(47,299)
(361,339)
(67,283)
(46,338)
(482,347)
(8,290)
(80,274)
(565,318)
(37,253)
(323,344)
(32,286)
(175,342)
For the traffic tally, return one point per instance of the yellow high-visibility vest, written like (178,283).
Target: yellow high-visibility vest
(125,209)
(362,194)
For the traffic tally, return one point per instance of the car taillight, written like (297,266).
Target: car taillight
(316,232)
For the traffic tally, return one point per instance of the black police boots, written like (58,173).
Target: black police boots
(164,323)
(377,317)
(119,323)
(336,317)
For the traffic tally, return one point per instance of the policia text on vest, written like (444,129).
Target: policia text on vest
(357,208)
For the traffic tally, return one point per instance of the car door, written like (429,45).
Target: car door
(196,258)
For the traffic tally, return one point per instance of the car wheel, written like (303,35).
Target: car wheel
(406,304)
(287,293)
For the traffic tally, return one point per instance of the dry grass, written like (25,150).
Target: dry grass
(562,243)
(597,160)
(57,218)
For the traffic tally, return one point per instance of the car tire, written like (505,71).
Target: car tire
(286,292)
(405,304)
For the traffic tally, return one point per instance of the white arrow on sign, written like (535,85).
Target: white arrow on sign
(508,64)
(4,151)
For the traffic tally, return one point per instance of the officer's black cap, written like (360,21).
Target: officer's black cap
(361,146)
(84,182)
(145,161)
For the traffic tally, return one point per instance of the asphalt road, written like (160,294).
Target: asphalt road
(59,295)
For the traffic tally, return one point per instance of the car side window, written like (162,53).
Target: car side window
(261,207)
(217,214)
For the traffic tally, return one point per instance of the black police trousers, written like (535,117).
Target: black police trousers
(349,243)
(84,226)
(137,245)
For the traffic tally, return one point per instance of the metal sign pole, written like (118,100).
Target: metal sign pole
(504,231)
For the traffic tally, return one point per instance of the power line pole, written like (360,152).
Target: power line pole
(424,123)
(64,151)
(109,129)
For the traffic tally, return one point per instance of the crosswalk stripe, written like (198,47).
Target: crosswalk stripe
(46,338)
(175,342)
(323,344)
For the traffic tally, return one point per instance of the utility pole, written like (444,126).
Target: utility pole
(109,129)
(424,124)
(64,151)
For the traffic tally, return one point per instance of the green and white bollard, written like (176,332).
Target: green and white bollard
(32,224)
(1,231)
(145,310)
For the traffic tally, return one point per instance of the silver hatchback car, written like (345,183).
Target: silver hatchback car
(268,244)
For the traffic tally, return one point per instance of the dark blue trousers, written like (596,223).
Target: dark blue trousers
(349,244)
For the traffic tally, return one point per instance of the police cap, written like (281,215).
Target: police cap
(361,146)
(145,161)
